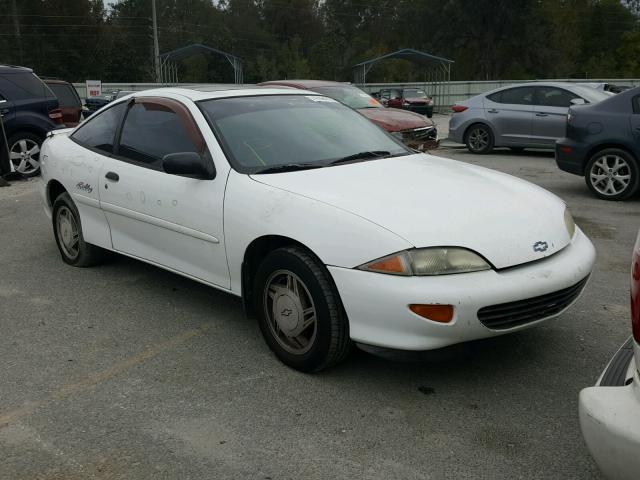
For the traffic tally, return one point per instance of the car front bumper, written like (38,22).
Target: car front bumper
(610,422)
(571,156)
(377,304)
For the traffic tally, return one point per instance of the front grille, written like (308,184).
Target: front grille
(521,312)
(418,134)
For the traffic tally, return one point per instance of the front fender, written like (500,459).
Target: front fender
(337,237)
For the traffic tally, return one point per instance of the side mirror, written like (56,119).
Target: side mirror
(578,101)
(188,164)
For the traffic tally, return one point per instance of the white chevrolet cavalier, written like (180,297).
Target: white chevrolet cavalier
(331,230)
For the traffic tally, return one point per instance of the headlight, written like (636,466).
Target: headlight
(569,223)
(428,261)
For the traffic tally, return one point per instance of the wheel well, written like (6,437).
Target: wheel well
(28,129)
(466,132)
(54,190)
(253,256)
(604,146)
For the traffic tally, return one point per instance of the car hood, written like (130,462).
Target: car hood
(394,120)
(432,201)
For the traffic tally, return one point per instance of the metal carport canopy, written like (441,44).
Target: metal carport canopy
(196,48)
(361,69)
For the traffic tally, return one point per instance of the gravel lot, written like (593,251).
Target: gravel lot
(127,371)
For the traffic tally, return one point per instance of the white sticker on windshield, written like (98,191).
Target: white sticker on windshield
(316,98)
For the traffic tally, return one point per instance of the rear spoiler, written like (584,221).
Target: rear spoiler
(58,131)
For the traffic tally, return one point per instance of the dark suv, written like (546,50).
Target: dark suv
(29,112)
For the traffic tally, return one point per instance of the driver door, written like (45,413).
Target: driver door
(170,220)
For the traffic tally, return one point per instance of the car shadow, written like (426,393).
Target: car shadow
(508,353)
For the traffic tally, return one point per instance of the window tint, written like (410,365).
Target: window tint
(514,96)
(636,104)
(66,94)
(22,86)
(100,130)
(555,97)
(152,130)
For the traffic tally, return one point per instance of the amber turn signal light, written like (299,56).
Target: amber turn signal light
(436,313)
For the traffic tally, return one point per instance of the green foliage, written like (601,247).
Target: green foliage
(488,39)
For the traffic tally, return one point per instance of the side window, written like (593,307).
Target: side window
(23,86)
(514,96)
(153,129)
(99,131)
(636,104)
(555,97)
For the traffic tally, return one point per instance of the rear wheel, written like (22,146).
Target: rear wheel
(299,310)
(68,233)
(612,174)
(479,139)
(24,153)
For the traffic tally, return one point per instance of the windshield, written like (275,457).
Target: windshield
(591,95)
(278,130)
(350,96)
(414,92)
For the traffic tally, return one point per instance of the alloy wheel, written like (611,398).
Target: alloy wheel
(290,311)
(610,175)
(25,156)
(478,139)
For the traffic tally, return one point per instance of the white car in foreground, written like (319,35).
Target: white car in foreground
(332,231)
(610,411)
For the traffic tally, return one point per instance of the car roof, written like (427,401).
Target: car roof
(55,80)
(14,69)
(541,84)
(304,83)
(199,93)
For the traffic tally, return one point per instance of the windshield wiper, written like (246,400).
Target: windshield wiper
(362,156)
(291,167)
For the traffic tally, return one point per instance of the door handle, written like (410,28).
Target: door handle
(542,114)
(493,110)
(112,176)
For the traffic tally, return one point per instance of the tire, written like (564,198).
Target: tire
(517,149)
(294,281)
(66,226)
(612,174)
(484,136)
(24,153)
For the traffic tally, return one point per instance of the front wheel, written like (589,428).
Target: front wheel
(67,230)
(612,174)
(479,139)
(299,310)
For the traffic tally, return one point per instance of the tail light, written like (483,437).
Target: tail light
(56,116)
(635,291)
(459,108)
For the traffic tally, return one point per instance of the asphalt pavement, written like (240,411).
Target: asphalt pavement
(125,371)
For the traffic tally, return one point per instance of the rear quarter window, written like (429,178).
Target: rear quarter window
(99,132)
(23,86)
(636,104)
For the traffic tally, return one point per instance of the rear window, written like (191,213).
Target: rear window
(22,86)
(66,94)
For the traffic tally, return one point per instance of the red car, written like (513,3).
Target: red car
(413,99)
(69,100)
(414,130)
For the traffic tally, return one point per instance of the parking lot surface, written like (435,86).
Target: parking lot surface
(128,371)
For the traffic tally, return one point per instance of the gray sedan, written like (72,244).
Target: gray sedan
(528,115)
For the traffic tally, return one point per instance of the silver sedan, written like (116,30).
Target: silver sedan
(527,115)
